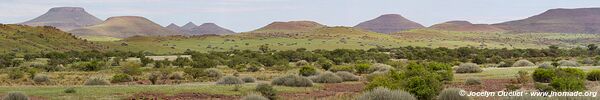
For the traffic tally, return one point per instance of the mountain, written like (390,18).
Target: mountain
(189,26)
(465,26)
(291,26)
(64,18)
(175,28)
(125,26)
(388,23)
(210,28)
(580,20)
(28,39)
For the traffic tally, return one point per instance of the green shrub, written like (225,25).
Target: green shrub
(70,90)
(523,77)
(571,72)
(374,75)
(568,84)
(347,76)
(342,68)
(380,67)
(176,76)
(15,73)
(194,72)
(41,79)
(213,72)
(266,90)
(523,63)
(154,77)
(248,79)
(96,81)
(452,94)
(588,61)
(325,63)
(230,80)
(547,65)
(381,93)
(131,68)
(327,77)
(543,75)
(15,96)
(121,78)
(362,68)
(302,63)
(568,63)
(308,71)
(473,81)
(292,80)
(468,68)
(593,75)
(543,87)
(254,97)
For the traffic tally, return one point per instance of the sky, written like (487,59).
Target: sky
(247,15)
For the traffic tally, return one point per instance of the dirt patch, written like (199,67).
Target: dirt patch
(182,96)
(329,90)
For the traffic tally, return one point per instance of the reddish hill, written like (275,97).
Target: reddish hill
(465,26)
(291,26)
(210,28)
(389,23)
(64,18)
(581,20)
(125,26)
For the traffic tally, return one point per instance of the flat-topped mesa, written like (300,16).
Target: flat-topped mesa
(210,28)
(389,23)
(579,20)
(126,26)
(292,26)
(465,26)
(65,18)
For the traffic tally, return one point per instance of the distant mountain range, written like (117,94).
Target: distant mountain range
(80,22)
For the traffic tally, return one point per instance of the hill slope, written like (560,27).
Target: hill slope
(27,39)
(125,26)
(581,20)
(465,26)
(290,26)
(210,28)
(388,23)
(64,18)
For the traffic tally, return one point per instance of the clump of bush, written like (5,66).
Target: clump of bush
(70,90)
(374,75)
(452,94)
(307,71)
(567,84)
(154,77)
(325,63)
(568,63)
(570,72)
(362,68)
(593,75)
(546,65)
(588,61)
(15,96)
(302,63)
(230,80)
(523,77)
(380,67)
(39,78)
(254,97)
(131,68)
(381,93)
(248,79)
(468,68)
(213,72)
(347,76)
(121,78)
(416,78)
(523,63)
(15,73)
(292,80)
(176,76)
(327,77)
(473,81)
(96,81)
(543,75)
(266,90)
(342,68)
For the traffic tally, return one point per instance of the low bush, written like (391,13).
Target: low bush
(292,80)
(121,78)
(588,61)
(213,72)
(570,72)
(593,75)
(327,77)
(39,78)
(131,68)
(154,77)
(194,72)
(342,68)
(248,79)
(523,63)
(381,93)
(473,81)
(523,77)
(543,75)
(452,94)
(307,71)
(568,63)
(96,81)
(325,63)
(15,96)
(567,84)
(380,67)
(468,68)
(362,68)
(70,90)
(374,75)
(547,65)
(347,76)
(543,87)
(230,80)
(266,90)
(15,73)
(254,97)
(176,76)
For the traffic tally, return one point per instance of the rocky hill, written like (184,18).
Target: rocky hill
(210,28)
(64,18)
(125,26)
(389,23)
(580,20)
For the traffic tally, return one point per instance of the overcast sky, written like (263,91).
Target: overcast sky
(246,15)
